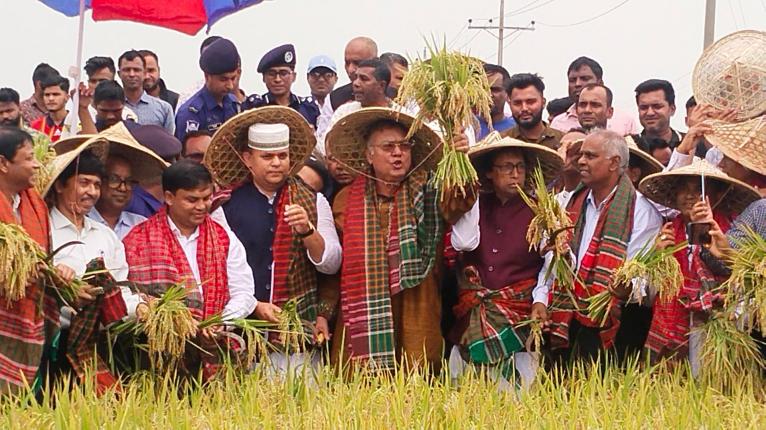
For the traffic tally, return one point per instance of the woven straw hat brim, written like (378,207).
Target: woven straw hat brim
(743,142)
(651,164)
(224,155)
(144,163)
(549,160)
(731,74)
(70,143)
(662,187)
(346,139)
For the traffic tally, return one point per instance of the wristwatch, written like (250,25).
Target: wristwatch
(308,233)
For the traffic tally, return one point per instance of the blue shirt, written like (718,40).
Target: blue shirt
(153,111)
(202,112)
(500,126)
(143,203)
(306,106)
(125,222)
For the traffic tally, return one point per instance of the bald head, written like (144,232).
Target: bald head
(358,49)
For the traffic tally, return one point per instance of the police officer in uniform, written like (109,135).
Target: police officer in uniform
(214,103)
(278,70)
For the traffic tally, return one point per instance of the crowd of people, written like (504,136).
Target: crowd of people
(327,201)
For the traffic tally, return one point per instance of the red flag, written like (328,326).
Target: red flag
(186,16)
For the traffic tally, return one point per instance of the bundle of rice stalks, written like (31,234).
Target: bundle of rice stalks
(727,353)
(169,324)
(535,339)
(747,283)
(19,261)
(447,88)
(291,329)
(658,267)
(44,154)
(549,226)
(252,330)
(600,306)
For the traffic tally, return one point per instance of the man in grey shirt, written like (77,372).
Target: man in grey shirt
(148,109)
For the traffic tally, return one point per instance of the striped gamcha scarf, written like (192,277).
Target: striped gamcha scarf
(294,275)
(25,325)
(490,337)
(378,264)
(157,262)
(106,309)
(672,320)
(606,252)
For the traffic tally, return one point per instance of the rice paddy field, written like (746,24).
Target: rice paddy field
(584,399)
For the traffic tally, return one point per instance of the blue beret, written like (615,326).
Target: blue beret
(219,57)
(280,56)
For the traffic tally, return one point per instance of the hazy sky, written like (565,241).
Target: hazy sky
(637,40)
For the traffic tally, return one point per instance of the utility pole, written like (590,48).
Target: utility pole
(709,23)
(501,27)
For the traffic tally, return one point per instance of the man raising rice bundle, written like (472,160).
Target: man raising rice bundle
(287,229)
(388,305)
(498,269)
(612,222)
(182,244)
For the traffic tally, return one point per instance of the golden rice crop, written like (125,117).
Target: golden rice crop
(19,260)
(658,267)
(447,88)
(44,154)
(746,286)
(169,324)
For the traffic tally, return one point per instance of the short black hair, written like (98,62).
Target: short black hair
(108,90)
(87,163)
(42,72)
(191,135)
(11,139)
(147,53)
(94,64)
(185,175)
(383,124)
(586,61)
(691,102)
(558,106)
(520,81)
(381,72)
(130,56)
(391,58)
(656,143)
(609,95)
(657,84)
(55,81)
(494,68)
(9,95)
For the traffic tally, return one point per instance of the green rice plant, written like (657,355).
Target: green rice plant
(447,88)
(658,267)
(600,306)
(746,286)
(44,154)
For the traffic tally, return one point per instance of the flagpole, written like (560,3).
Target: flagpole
(75,73)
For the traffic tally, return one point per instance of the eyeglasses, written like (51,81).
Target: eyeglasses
(510,167)
(283,74)
(389,146)
(326,75)
(115,182)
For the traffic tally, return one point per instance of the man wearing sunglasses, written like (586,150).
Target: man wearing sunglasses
(116,192)
(322,75)
(278,70)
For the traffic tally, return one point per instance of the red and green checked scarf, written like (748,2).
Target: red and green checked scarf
(490,337)
(294,275)
(26,324)
(108,308)
(671,321)
(606,252)
(378,264)
(157,262)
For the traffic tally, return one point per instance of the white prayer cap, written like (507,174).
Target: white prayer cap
(268,137)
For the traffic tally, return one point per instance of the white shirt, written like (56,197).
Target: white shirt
(15,204)
(323,122)
(242,300)
(97,241)
(647,223)
(125,222)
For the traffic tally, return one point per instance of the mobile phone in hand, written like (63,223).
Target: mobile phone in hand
(698,233)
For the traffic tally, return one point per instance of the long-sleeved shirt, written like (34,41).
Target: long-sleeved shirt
(97,241)
(152,110)
(242,300)
(647,223)
(125,222)
(620,122)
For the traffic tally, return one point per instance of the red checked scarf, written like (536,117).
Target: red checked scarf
(671,320)
(490,336)
(108,308)
(378,264)
(294,275)
(606,251)
(25,326)
(157,262)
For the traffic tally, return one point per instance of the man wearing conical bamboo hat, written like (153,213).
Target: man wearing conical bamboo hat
(681,189)
(612,222)
(497,269)
(287,228)
(28,326)
(388,305)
